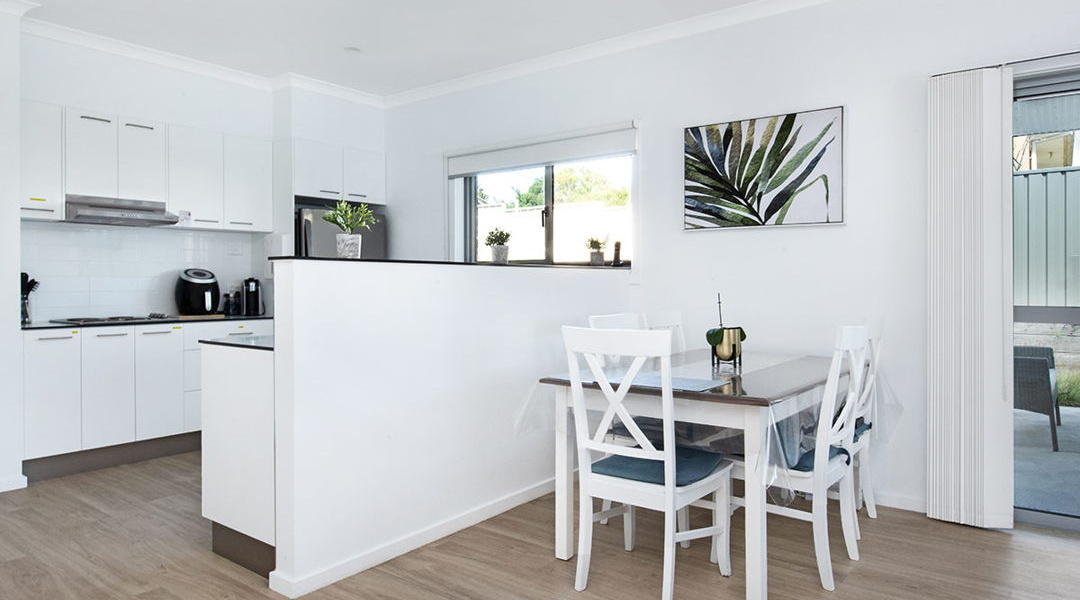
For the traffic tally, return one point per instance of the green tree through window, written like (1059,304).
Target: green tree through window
(575,184)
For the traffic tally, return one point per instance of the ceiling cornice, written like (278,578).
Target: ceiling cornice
(639,39)
(16,7)
(84,39)
(656,35)
(292,80)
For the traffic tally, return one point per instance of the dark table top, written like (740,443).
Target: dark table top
(763,380)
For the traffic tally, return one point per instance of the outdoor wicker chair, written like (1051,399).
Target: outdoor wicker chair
(1032,390)
(1048,354)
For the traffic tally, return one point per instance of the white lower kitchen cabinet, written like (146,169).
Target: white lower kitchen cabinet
(52,396)
(159,380)
(238,463)
(108,386)
(210,330)
(192,410)
(101,386)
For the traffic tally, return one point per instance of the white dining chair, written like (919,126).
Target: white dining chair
(632,320)
(664,479)
(829,464)
(624,320)
(863,417)
(670,320)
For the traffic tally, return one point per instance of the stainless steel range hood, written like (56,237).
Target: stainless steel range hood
(117,211)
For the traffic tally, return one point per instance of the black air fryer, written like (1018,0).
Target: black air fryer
(197,292)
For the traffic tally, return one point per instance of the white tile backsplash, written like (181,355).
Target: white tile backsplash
(99,271)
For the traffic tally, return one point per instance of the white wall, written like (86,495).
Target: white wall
(70,75)
(334,120)
(789,287)
(11,431)
(97,271)
(397,387)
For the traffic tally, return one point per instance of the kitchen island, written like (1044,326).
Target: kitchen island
(238,460)
(398,392)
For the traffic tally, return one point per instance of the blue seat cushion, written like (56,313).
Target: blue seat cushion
(806,461)
(860,429)
(691,465)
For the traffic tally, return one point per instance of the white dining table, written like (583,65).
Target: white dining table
(766,389)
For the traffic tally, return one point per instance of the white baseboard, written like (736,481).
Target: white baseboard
(294,587)
(901,501)
(16,482)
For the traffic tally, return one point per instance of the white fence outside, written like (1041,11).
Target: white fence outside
(574,223)
(1046,237)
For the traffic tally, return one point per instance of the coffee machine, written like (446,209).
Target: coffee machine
(251,302)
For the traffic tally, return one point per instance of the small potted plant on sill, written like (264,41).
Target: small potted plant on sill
(500,252)
(349,217)
(596,251)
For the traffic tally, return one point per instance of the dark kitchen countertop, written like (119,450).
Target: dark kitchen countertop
(607,267)
(49,325)
(257,342)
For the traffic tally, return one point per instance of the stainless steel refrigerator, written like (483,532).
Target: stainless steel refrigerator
(315,237)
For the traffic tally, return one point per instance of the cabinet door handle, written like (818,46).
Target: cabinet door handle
(156,332)
(55,337)
(98,119)
(358,195)
(139,126)
(329,192)
(240,223)
(35,209)
(207,221)
(112,335)
(242,333)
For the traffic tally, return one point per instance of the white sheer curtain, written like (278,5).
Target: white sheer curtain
(969,395)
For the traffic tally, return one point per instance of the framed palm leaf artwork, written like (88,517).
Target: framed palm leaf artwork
(779,170)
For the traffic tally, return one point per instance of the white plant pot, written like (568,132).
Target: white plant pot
(500,255)
(596,258)
(348,245)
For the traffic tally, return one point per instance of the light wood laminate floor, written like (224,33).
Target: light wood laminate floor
(134,532)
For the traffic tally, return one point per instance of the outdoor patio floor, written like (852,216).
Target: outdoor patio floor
(1047,481)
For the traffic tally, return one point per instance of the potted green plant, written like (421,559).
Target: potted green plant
(596,251)
(350,217)
(496,240)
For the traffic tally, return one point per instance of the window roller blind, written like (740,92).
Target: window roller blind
(578,147)
(1047,115)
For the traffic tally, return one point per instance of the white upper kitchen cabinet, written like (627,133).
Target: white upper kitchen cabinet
(249,172)
(159,380)
(196,176)
(42,149)
(52,372)
(317,170)
(90,150)
(142,160)
(108,386)
(365,176)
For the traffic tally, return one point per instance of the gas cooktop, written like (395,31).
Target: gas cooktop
(123,319)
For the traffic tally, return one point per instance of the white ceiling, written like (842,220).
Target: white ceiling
(406,44)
